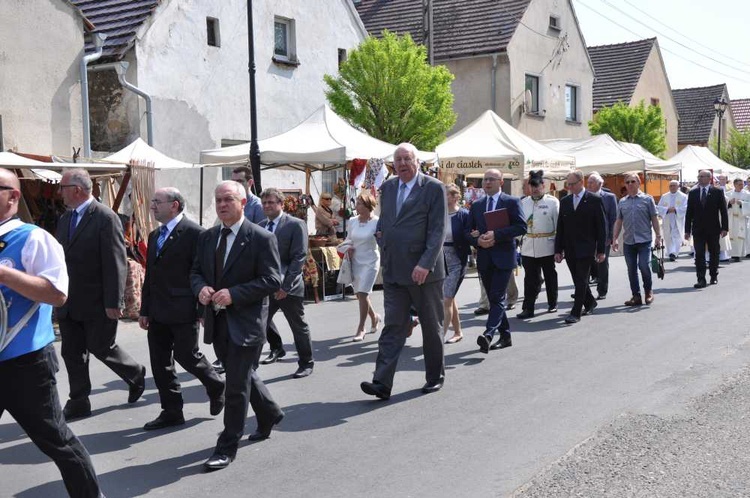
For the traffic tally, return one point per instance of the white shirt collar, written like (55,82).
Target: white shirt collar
(173,222)
(236,227)
(410,183)
(82,208)
(10,225)
(275,221)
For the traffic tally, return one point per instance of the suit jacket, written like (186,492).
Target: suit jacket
(415,236)
(581,233)
(96,261)
(503,254)
(291,235)
(167,296)
(251,274)
(609,201)
(460,223)
(708,220)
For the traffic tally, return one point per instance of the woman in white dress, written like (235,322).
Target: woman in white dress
(365,260)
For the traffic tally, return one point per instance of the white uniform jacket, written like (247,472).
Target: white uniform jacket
(541,220)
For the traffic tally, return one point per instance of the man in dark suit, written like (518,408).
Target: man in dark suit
(580,239)
(707,220)
(235,269)
(92,237)
(496,255)
(168,309)
(594,185)
(410,233)
(291,235)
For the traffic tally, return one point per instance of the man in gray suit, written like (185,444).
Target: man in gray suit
(92,237)
(291,235)
(410,232)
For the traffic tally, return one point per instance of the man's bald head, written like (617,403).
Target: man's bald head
(12,179)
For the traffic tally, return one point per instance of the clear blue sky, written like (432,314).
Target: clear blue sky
(702,42)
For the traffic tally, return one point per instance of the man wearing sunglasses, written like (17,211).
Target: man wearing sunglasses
(636,216)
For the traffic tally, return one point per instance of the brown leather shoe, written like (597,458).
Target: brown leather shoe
(649,297)
(635,300)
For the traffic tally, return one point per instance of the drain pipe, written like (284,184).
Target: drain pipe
(494,84)
(98,39)
(121,69)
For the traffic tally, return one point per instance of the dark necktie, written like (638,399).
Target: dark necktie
(163,232)
(703,195)
(221,252)
(490,203)
(73,224)
(400,198)
(270,226)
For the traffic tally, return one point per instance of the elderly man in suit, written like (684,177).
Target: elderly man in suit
(580,239)
(92,237)
(410,232)
(168,309)
(707,220)
(235,269)
(594,184)
(496,255)
(291,235)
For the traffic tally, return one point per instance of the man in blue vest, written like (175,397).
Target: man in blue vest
(33,277)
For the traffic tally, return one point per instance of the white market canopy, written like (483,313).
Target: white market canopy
(653,163)
(322,141)
(694,159)
(51,171)
(489,142)
(140,151)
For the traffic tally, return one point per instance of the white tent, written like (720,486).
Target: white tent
(653,163)
(37,168)
(598,153)
(694,159)
(490,142)
(322,141)
(140,151)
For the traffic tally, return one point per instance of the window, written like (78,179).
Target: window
(342,56)
(531,95)
(212,32)
(571,103)
(554,23)
(654,102)
(283,40)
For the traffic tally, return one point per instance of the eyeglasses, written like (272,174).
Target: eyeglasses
(488,179)
(157,201)
(628,182)
(66,185)
(6,187)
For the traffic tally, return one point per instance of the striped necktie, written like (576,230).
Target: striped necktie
(163,232)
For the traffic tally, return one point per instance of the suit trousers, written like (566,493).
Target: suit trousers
(700,242)
(168,343)
(94,336)
(580,268)
(602,273)
(533,269)
(294,311)
(495,282)
(28,391)
(427,299)
(243,385)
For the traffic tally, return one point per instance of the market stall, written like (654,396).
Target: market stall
(694,158)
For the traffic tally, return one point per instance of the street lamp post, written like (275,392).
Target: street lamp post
(720,106)
(254,149)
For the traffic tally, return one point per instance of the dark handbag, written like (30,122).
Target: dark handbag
(657,261)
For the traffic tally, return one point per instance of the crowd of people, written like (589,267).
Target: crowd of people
(233,278)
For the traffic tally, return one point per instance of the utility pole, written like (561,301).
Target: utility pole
(254,150)
(427,26)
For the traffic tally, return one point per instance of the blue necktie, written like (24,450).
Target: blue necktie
(270,226)
(401,197)
(73,224)
(491,203)
(163,232)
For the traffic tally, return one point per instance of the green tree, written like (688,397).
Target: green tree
(639,124)
(736,148)
(387,88)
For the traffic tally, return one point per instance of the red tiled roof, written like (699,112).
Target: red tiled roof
(741,113)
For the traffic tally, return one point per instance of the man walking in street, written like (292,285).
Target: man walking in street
(636,217)
(672,207)
(595,184)
(707,220)
(168,309)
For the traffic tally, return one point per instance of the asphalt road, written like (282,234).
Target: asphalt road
(515,421)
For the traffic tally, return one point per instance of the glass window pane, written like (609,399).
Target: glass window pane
(280,39)
(571,103)
(532,85)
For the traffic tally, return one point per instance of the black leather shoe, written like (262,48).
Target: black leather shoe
(590,309)
(136,390)
(525,314)
(375,389)
(217,462)
(714,281)
(701,284)
(273,356)
(572,319)
(77,409)
(433,387)
(302,372)
(481,311)
(601,297)
(165,419)
(503,342)
(218,367)
(264,433)
(552,309)
(483,342)
(673,257)
(216,404)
